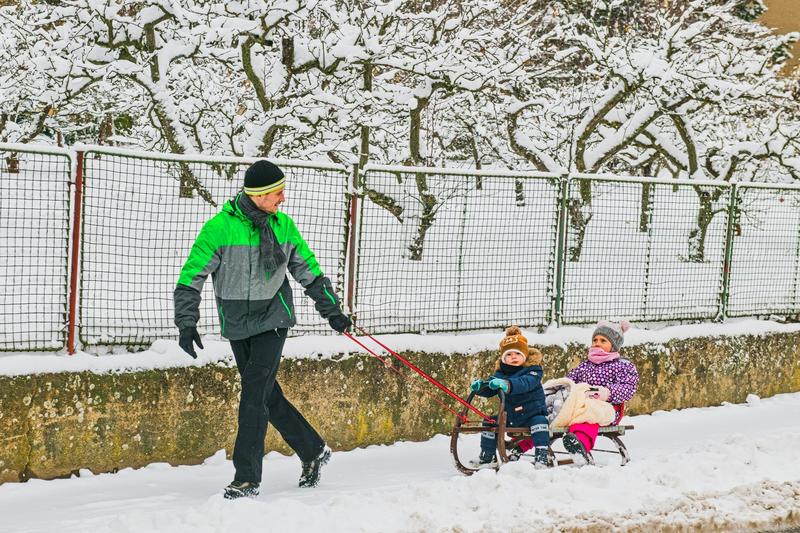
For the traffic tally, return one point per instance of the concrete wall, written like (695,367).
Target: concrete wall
(52,425)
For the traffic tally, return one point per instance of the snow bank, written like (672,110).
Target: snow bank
(167,354)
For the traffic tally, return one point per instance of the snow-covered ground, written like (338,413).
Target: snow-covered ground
(710,469)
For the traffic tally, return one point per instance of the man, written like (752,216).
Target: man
(248,248)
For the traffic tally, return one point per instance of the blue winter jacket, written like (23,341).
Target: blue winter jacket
(525,397)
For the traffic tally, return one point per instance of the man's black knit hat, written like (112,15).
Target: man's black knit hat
(263,177)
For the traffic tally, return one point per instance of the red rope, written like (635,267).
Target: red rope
(389,366)
(416,369)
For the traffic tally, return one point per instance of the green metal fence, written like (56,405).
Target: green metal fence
(643,249)
(410,249)
(448,250)
(34,246)
(765,242)
(141,214)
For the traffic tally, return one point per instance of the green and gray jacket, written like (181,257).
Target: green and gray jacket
(249,301)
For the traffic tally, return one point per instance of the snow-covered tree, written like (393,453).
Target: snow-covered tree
(694,92)
(687,88)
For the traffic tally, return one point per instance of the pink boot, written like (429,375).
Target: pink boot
(579,442)
(586,433)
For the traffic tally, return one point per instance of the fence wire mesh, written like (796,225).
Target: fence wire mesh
(437,249)
(643,251)
(141,218)
(765,267)
(34,249)
(454,251)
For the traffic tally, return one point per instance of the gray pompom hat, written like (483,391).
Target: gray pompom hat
(613,331)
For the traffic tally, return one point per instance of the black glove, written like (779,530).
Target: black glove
(187,336)
(340,322)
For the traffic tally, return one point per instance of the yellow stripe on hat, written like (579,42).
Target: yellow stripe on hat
(266,189)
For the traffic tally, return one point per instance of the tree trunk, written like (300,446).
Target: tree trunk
(268,140)
(364,133)
(646,207)
(12,162)
(473,146)
(415,128)
(580,214)
(519,193)
(188,182)
(697,237)
(429,203)
(106,129)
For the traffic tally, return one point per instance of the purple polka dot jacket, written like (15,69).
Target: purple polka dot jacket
(619,376)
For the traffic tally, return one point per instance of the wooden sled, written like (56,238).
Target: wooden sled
(507,437)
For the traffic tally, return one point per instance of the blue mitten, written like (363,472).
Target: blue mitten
(476,385)
(497,383)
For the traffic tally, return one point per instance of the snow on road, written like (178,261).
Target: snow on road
(711,469)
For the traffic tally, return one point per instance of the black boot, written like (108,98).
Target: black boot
(486,459)
(310,475)
(576,450)
(513,451)
(541,457)
(238,489)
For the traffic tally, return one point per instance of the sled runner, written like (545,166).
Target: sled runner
(509,437)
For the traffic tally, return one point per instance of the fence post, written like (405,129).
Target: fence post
(76,248)
(352,244)
(795,307)
(649,190)
(726,261)
(561,243)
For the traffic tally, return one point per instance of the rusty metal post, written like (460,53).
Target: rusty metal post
(76,248)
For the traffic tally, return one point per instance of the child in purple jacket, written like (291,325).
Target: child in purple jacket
(614,377)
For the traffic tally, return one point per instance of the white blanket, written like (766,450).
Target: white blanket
(567,404)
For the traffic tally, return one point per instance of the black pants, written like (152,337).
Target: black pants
(262,401)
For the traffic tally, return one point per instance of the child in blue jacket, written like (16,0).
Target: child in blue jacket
(518,373)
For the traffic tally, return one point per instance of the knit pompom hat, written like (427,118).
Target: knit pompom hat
(613,331)
(516,341)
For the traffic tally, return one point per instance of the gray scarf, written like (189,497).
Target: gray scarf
(270,252)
